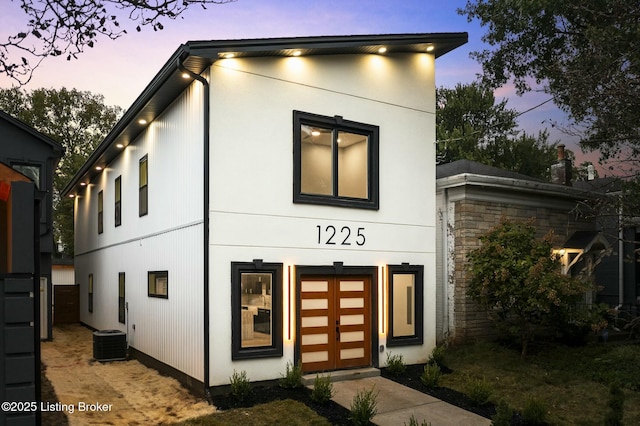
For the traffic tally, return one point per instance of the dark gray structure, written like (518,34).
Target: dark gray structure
(27,163)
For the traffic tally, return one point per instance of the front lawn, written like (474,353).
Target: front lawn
(572,383)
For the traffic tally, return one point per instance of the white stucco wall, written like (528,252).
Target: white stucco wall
(252,212)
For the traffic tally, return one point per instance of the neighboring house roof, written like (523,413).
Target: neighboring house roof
(473,167)
(602,185)
(58,150)
(197,56)
(471,173)
(586,241)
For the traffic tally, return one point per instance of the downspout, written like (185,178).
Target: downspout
(205,217)
(620,259)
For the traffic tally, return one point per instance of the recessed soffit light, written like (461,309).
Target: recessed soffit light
(382,49)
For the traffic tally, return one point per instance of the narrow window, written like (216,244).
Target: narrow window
(143,194)
(256,309)
(121,300)
(100,213)
(90,292)
(158,284)
(335,161)
(406,305)
(118,201)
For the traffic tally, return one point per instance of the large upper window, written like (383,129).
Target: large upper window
(256,309)
(406,293)
(335,161)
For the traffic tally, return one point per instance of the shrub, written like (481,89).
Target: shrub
(240,386)
(395,364)
(414,422)
(292,377)
(503,415)
(438,355)
(431,375)
(478,390)
(364,406)
(519,283)
(616,406)
(322,389)
(535,412)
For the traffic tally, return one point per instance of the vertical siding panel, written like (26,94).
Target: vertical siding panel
(168,238)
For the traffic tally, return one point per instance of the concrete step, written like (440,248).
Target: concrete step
(342,375)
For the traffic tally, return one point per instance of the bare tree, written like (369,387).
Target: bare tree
(68,27)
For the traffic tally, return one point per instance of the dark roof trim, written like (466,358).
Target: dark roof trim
(199,55)
(58,150)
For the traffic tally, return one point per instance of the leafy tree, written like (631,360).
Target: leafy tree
(470,124)
(585,54)
(68,27)
(78,121)
(519,282)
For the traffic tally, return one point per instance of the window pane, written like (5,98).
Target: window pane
(256,318)
(404,305)
(316,159)
(143,171)
(353,158)
(159,284)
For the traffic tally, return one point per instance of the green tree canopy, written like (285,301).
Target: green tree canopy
(470,124)
(75,119)
(585,54)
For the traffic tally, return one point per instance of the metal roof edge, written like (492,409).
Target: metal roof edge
(209,51)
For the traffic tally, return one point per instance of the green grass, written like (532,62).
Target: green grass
(572,383)
(287,412)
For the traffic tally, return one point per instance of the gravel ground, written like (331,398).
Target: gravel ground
(115,393)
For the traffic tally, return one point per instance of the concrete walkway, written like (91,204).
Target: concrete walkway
(397,403)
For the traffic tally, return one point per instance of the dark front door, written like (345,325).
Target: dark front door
(335,322)
(67,304)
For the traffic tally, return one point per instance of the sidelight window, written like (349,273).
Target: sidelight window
(335,161)
(256,309)
(406,294)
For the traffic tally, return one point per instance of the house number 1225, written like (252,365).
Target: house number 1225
(331,236)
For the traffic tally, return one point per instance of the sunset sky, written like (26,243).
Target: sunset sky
(121,69)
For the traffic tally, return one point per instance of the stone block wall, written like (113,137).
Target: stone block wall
(473,219)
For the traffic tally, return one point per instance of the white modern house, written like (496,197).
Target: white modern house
(266,202)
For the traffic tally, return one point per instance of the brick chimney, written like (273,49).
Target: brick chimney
(561,169)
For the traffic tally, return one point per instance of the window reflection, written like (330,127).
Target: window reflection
(256,318)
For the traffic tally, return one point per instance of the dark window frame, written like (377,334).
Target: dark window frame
(100,212)
(143,186)
(337,123)
(121,298)
(156,275)
(418,337)
(275,349)
(90,293)
(118,201)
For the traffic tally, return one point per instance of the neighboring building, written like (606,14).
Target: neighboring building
(66,293)
(619,272)
(471,199)
(274,206)
(27,163)
(35,156)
